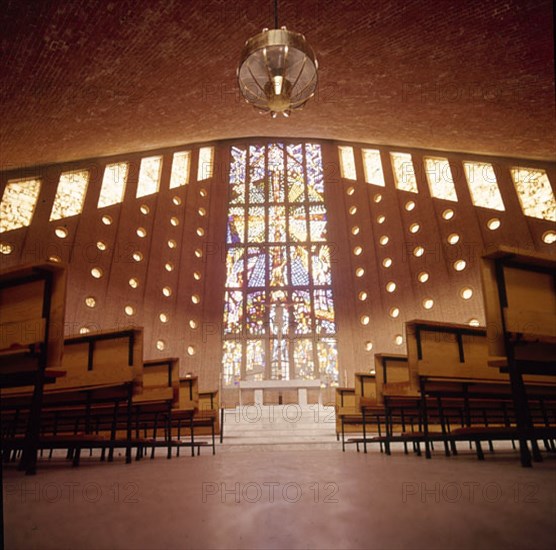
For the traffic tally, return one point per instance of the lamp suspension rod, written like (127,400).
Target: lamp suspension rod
(275,14)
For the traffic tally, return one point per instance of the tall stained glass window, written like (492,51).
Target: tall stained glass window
(279,320)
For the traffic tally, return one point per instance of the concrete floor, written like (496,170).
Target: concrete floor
(284,499)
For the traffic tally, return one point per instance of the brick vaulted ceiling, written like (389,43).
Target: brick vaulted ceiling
(82,79)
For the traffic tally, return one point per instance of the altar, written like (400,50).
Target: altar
(259,386)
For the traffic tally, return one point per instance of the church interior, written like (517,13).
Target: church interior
(278,274)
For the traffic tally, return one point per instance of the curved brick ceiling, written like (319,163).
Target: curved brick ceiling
(85,79)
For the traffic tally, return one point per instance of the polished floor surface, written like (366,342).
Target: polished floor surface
(259,498)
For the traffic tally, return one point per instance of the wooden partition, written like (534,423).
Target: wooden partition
(520,304)
(391,371)
(32,306)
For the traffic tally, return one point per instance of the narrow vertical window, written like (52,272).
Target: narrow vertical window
(206,163)
(535,193)
(70,195)
(404,173)
(113,184)
(482,185)
(373,167)
(439,177)
(149,176)
(18,204)
(180,169)
(347,163)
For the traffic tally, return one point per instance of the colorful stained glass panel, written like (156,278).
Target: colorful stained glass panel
(255,312)
(303,359)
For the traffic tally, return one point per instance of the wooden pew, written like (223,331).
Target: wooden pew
(519,290)
(153,405)
(448,362)
(32,306)
(345,406)
(392,371)
(103,373)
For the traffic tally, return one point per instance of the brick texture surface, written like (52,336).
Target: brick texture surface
(88,79)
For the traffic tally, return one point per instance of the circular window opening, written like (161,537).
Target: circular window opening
(474,322)
(141,232)
(129,311)
(358,250)
(176,200)
(163,318)
(195,298)
(172,243)
(377,198)
(390,286)
(90,301)
(144,209)
(167,291)
(460,265)
(355,230)
(409,205)
(549,237)
(350,190)
(359,272)
(414,227)
(453,238)
(106,220)
(394,312)
(387,262)
(174,221)
(133,282)
(101,246)
(428,303)
(352,210)
(6,248)
(381,219)
(398,339)
(418,251)
(61,232)
(365,320)
(362,296)
(137,257)
(160,345)
(368,346)
(493,224)
(448,214)
(466,293)
(383,240)
(197,275)
(97,272)
(169,266)
(423,277)
(191,350)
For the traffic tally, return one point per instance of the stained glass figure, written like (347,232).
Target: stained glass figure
(233,312)
(254,359)
(303,359)
(255,312)
(231,361)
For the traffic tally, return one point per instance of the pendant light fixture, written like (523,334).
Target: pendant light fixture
(277,72)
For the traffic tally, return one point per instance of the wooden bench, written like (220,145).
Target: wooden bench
(103,373)
(32,307)
(450,362)
(519,290)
